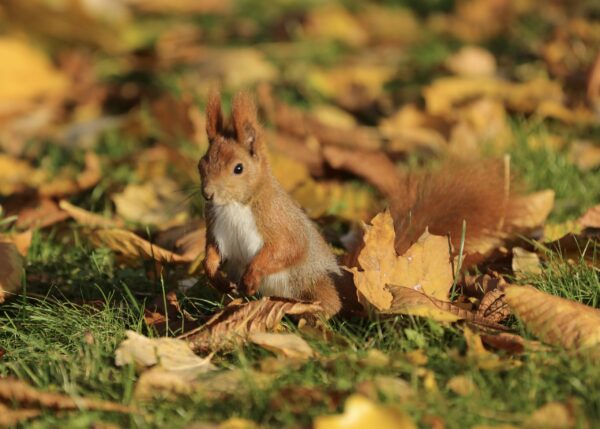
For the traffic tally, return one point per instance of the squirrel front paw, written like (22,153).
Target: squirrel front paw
(251,281)
(212,260)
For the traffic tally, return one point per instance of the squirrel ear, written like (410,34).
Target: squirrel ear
(214,116)
(245,123)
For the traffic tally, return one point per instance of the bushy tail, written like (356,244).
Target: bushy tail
(482,194)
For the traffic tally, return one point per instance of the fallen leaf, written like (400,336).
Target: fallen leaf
(11,269)
(553,415)
(335,23)
(493,306)
(375,167)
(591,218)
(472,61)
(237,321)
(525,263)
(462,385)
(398,27)
(27,74)
(170,354)
(69,182)
(424,267)
(477,354)
(17,392)
(87,218)
(289,345)
(511,343)
(392,388)
(360,412)
(585,155)
(10,418)
(412,302)
(133,246)
(536,208)
(158,202)
(555,320)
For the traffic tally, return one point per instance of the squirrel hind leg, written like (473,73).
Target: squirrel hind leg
(324,291)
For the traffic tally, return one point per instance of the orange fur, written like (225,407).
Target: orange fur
(441,200)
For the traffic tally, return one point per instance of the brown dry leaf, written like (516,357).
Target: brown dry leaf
(26,75)
(525,263)
(483,359)
(186,7)
(553,415)
(511,343)
(360,412)
(235,322)
(585,155)
(34,212)
(493,307)
(424,267)
(536,208)
(87,218)
(462,385)
(556,321)
(11,418)
(17,175)
(374,166)
(157,202)
(412,302)
(472,61)
(289,345)
(18,392)
(133,246)
(11,269)
(69,182)
(591,218)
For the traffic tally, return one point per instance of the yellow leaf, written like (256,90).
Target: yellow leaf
(289,345)
(133,246)
(462,385)
(525,263)
(158,202)
(483,359)
(411,302)
(26,74)
(553,415)
(87,218)
(335,23)
(424,267)
(11,267)
(556,321)
(472,61)
(360,412)
(535,209)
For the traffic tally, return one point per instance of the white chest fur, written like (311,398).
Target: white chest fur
(238,240)
(236,234)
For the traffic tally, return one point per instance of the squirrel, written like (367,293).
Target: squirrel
(255,231)
(264,241)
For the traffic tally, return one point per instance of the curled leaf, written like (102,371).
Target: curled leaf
(555,320)
(235,322)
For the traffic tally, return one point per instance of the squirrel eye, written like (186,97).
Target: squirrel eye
(238,169)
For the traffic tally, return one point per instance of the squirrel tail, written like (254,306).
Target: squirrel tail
(482,195)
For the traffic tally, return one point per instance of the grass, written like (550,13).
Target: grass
(58,345)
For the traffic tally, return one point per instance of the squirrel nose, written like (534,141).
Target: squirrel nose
(207,195)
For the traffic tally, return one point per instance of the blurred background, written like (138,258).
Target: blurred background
(102,101)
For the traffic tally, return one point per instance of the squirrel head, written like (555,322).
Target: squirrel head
(236,160)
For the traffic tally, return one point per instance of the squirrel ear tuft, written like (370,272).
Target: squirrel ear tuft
(214,116)
(245,122)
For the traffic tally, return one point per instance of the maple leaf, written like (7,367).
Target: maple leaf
(555,320)
(424,267)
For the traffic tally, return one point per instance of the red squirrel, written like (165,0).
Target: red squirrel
(264,241)
(255,231)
